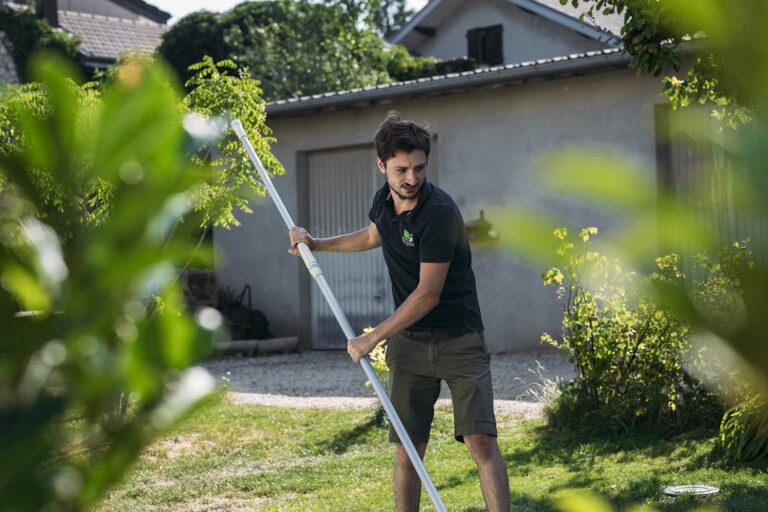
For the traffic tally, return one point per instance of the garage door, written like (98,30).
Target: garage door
(341,186)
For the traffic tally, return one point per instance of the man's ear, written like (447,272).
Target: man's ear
(381,165)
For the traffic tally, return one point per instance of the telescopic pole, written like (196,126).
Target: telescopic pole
(317,274)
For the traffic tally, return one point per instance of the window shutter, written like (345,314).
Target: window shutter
(485,45)
(493,53)
(474,48)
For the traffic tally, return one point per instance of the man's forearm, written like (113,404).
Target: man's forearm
(351,242)
(410,311)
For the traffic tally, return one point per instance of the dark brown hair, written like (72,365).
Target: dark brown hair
(397,134)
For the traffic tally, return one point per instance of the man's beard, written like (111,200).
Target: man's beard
(412,195)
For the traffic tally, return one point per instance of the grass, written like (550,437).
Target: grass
(246,458)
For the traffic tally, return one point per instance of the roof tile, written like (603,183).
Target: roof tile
(107,37)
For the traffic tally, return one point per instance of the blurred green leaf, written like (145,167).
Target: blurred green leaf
(580,501)
(97,337)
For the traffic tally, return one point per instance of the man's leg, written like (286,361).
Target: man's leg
(413,393)
(464,363)
(405,480)
(491,469)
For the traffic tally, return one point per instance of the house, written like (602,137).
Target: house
(106,28)
(551,80)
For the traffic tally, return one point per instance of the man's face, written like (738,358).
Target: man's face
(405,172)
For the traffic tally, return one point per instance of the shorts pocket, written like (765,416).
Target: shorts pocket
(481,336)
(389,350)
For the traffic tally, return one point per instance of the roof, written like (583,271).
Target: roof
(579,63)
(145,9)
(608,22)
(104,38)
(603,28)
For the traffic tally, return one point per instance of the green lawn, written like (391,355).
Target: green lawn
(238,458)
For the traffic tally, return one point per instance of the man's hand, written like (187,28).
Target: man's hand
(300,235)
(361,346)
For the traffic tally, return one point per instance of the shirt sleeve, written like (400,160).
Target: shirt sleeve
(439,237)
(372,213)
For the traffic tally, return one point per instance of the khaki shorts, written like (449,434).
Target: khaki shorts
(419,360)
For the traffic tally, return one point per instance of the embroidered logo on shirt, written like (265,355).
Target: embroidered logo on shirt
(407,238)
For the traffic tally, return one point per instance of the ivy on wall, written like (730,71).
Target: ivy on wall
(26,33)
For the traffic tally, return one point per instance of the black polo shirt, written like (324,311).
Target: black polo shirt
(433,232)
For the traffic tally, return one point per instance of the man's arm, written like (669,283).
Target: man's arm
(362,240)
(423,299)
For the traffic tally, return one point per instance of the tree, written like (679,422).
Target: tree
(190,39)
(220,90)
(291,47)
(389,16)
(80,199)
(663,35)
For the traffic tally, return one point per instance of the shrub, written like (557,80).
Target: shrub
(629,352)
(744,431)
(402,66)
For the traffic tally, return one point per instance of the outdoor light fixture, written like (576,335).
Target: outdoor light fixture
(481,230)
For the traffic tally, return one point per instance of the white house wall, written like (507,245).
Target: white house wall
(526,36)
(488,141)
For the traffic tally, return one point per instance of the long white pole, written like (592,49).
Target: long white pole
(317,274)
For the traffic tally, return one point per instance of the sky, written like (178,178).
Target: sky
(180,8)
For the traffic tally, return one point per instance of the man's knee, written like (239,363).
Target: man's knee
(402,458)
(482,447)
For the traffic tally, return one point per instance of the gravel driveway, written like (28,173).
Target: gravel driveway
(330,379)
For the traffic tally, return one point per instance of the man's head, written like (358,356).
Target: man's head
(403,151)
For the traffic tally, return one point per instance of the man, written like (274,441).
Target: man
(436,331)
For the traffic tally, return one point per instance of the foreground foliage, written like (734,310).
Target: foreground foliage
(79,330)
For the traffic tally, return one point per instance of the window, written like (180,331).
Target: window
(485,45)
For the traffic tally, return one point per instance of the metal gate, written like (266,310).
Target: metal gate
(341,184)
(697,167)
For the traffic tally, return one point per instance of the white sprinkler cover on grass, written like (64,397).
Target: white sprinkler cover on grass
(696,490)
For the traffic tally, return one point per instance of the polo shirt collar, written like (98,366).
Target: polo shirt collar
(410,215)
